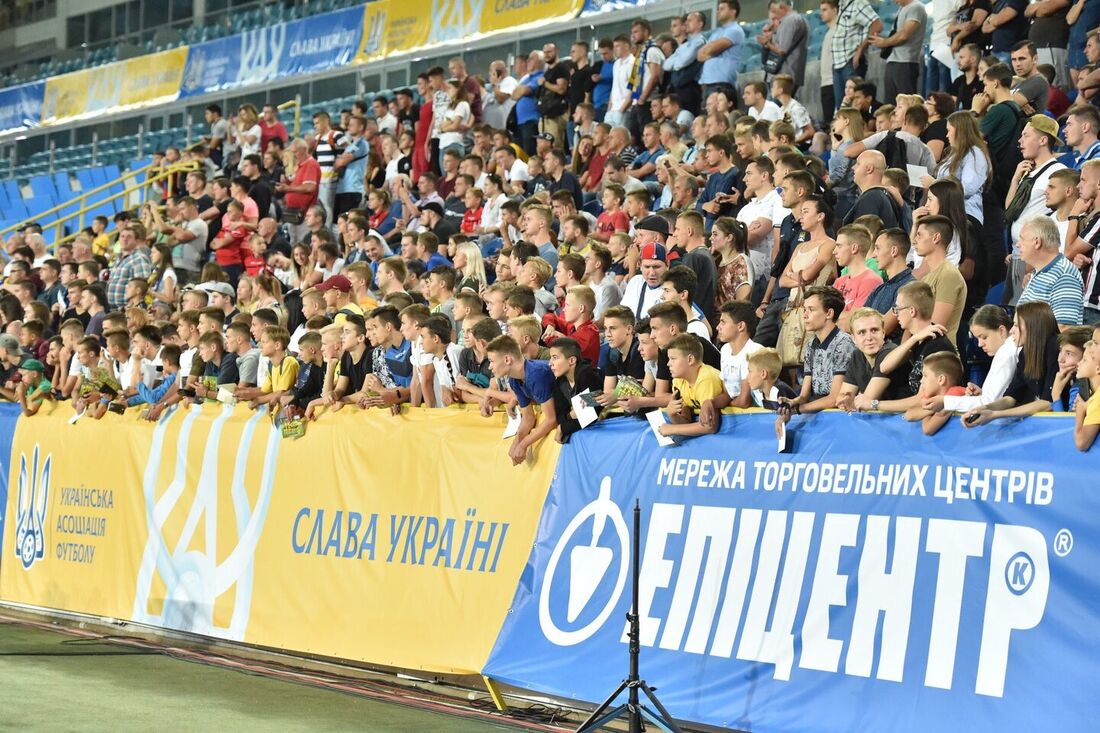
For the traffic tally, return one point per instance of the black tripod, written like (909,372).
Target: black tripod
(633,708)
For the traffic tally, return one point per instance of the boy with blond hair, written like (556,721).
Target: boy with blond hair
(693,383)
(362,280)
(1086,423)
(534,275)
(283,373)
(526,332)
(765,366)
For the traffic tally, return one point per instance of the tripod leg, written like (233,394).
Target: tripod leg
(667,719)
(601,722)
(587,725)
(657,722)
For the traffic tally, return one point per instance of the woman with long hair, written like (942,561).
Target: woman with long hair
(164,282)
(471,266)
(376,172)
(297,268)
(812,263)
(248,132)
(457,118)
(380,219)
(847,128)
(945,198)
(267,292)
(1035,331)
(729,245)
(939,106)
(967,160)
(246,294)
(582,156)
(991,327)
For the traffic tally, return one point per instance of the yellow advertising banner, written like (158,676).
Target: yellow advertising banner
(145,80)
(397,26)
(390,540)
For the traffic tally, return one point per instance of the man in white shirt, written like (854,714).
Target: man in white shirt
(1061,196)
(760,107)
(1039,138)
(620,99)
(596,264)
(763,213)
(496,105)
(513,171)
(736,325)
(386,121)
(643,291)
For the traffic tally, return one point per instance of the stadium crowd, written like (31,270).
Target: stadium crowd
(635,221)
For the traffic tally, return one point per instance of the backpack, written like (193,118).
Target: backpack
(894,150)
(1008,156)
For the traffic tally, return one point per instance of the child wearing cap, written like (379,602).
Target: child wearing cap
(33,388)
(336,292)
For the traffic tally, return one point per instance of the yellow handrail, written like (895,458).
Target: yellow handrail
(168,174)
(297,105)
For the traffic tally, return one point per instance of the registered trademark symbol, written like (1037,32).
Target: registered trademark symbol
(1019,573)
(1063,543)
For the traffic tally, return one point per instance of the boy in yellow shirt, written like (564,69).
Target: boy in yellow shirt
(284,369)
(693,383)
(1086,422)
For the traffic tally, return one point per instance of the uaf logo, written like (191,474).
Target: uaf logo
(589,563)
(193,570)
(31,502)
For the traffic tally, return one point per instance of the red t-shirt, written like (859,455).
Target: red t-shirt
(609,222)
(230,253)
(310,170)
(471,220)
(253,264)
(267,134)
(586,335)
(595,169)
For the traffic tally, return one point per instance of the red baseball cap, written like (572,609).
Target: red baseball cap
(336,282)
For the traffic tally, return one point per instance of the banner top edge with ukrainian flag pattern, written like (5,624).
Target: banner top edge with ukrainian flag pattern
(873,579)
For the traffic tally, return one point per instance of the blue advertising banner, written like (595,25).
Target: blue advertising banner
(873,579)
(9,414)
(592,7)
(21,106)
(311,44)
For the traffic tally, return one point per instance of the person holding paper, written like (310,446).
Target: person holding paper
(573,375)
(532,382)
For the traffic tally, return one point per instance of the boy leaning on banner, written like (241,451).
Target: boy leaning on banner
(33,388)
(693,383)
(1087,413)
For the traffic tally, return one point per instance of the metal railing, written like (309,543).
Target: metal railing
(168,175)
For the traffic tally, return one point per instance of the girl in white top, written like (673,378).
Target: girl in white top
(248,131)
(990,325)
(457,118)
(165,281)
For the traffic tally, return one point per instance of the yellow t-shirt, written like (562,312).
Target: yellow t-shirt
(282,377)
(349,307)
(101,245)
(708,385)
(1092,410)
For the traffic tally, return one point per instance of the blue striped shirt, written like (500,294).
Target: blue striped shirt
(1059,283)
(1091,154)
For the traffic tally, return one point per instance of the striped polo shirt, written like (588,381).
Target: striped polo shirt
(1058,283)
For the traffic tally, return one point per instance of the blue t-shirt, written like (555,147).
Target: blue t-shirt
(723,68)
(537,385)
(435,261)
(399,363)
(717,183)
(646,157)
(527,108)
(601,93)
(352,180)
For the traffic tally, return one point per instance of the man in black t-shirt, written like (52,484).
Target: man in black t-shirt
(552,94)
(258,191)
(873,198)
(869,334)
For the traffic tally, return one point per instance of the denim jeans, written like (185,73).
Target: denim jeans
(843,74)
(937,76)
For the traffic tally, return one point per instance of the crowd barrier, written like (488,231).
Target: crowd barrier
(872,579)
(321,42)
